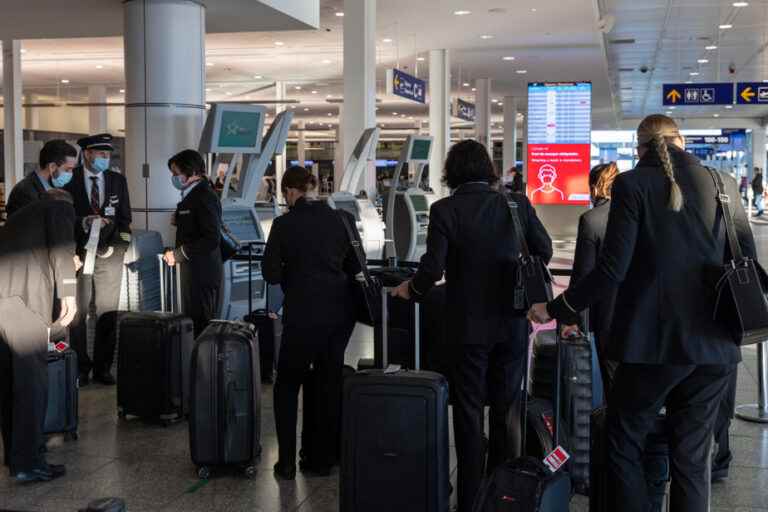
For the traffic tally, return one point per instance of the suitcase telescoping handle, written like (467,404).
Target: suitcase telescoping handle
(385,330)
(166,275)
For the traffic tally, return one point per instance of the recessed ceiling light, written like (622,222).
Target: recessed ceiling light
(64,81)
(229,93)
(711,47)
(509,57)
(329,96)
(461,13)
(386,40)
(420,59)
(326,61)
(306,109)
(122,91)
(672,107)
(410,117)
(729,107)
(474,89)
(715,115)
(298,87)
(279,43)
(725,26)
(209,64)
(329,114)
(340,14)
(465,84)
(486,36)
(694,73)
(99,67)
(740,4)
(521,71)
(689,81)
(293,107)
(208,90)
(314,92)
(494,100)
(703,61)
(533,9)
(23,50)
(258,77)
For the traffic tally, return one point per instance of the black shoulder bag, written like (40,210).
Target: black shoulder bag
(740,303)
(368,289)
(532,280)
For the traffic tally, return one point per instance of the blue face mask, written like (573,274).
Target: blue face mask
(99,165)
(62,179)
(178,181)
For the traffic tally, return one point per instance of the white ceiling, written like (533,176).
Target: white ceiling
(552,40)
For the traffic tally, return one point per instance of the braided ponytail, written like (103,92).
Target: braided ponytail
(654,132)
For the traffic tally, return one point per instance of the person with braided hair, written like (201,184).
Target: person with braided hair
(665,230)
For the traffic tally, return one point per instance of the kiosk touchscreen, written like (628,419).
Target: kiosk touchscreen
(369,223)
(407,206)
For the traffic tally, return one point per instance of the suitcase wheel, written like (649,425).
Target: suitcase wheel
(203,473)
(250,472)
(72,436)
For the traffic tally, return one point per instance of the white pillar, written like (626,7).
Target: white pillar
(280,95)
(97,116)
(483,117)
(31,114)
(359,82)
(338,155)
(165,101)
(13,129)
(510,133)
(439,116)
(758,149)
(301,145)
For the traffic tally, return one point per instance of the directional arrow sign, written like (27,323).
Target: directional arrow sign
(752,93)
(703,95)
(674,96)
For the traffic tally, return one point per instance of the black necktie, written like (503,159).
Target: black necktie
(95,196)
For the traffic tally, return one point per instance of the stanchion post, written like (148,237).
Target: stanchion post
(758,413)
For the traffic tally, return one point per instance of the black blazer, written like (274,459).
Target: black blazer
(36,255)
(659,260)
(25,192)
(309,254)
(198,235)
(471,237)
(117,233)
(589,242)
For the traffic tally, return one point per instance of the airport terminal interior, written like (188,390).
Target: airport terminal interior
(368,96)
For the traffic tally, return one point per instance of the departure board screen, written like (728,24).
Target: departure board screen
(559,137)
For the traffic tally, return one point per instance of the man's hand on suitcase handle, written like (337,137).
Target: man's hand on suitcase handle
(538,313)
(402,291)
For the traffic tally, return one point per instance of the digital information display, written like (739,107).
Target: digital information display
(559,137)
(420,149)
(239,129)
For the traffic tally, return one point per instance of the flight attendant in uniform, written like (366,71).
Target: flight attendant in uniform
(198,239)
(99,193)
(37,251)
(57,159)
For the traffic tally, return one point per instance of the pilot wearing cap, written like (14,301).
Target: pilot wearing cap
(99,193)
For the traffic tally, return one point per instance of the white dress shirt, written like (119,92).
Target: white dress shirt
(89,183)
(186,191)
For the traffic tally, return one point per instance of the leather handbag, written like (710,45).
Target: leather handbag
(740,303)
(229,244)
(367,288)
(532,281)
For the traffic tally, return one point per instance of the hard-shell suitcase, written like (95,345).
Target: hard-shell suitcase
(265,327)
(61,415)
(395,439)
(225,417)
(153,365)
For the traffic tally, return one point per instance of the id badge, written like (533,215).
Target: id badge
(109,211)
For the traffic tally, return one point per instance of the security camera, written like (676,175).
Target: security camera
(643,69)
(732,68)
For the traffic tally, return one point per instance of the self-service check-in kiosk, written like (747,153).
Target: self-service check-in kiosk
(233,132)
(406,205)
(369,222)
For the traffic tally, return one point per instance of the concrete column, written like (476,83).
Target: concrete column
(280,95)
(97,116)
(301,145)
(13,129)
(510,133)
(359,81)
(165,101)
(338,155)
(758,149)
(31,114)
(483,106)
(439,116)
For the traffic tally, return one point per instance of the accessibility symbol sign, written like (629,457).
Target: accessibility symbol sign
(752,93)
(705,94)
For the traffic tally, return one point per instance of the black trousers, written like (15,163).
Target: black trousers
(200,302)
(23,384)
(692,395)
(723,423)
(483,374)
(103,289)
(323,348)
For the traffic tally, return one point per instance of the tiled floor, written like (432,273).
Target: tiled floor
(150,467)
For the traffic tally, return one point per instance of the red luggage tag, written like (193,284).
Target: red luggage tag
(556,459)
(61,346)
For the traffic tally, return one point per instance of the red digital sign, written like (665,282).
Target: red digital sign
(556,173)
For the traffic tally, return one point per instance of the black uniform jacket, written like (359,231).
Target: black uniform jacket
(198,235)
(309,254)
(25,192)
(592,226)
(36,255)
(118,232)
(660,260)
(471,238)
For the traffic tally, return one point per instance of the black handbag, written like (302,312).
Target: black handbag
(368,288)
(532,281)
(229,244)
(740,302)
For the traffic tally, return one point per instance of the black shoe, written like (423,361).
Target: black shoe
(57,470)
(719,473)
(310,469)
(84,379)
(285,472)
(43,474)
(104,378)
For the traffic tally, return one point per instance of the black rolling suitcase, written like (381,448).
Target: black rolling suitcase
(225,417)
(395,440)
(61,415)
(154,357)
(265,327)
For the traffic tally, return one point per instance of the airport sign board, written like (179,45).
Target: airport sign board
(752,93)
(701,95)
(406,86)
(464,110)
(708,139)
